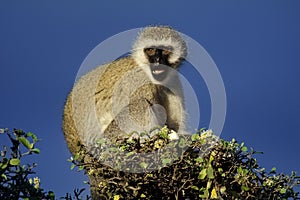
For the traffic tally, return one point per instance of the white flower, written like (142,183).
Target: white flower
(173,135)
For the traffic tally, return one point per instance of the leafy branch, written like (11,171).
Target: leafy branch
(205,167)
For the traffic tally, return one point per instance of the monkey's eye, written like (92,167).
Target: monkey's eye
(166,52)
(150,51)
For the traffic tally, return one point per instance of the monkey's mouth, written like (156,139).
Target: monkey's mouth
(159,71)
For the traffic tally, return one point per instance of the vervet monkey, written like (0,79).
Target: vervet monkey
(134,93)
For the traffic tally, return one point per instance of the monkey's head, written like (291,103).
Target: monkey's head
(158,48)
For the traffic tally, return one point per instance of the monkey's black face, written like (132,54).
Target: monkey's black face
(159,61)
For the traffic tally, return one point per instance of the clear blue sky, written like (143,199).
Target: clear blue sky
(255,44)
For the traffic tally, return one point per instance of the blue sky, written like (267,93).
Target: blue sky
(255,44)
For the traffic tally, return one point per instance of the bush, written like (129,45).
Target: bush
(200,166)
(18,180)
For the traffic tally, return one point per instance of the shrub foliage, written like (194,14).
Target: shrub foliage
(200,166)
(17,180)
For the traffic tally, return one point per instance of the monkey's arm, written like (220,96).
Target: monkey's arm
(173,103)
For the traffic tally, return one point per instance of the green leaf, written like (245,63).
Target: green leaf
(166,161)
(25,142)
(14,162)
(245,188)
(211,157)
(194,187)
(76,156)
(149,175)
(163,134)
(240,170)
(33,136)
(182,143)
(143,196)
(282,191)
(214,194)
(143,165)
(4,176)
(81,168)
(202,174)
(220,170)
(264,184)
(208,185)
(222,189)
(195,137)
(35,150)
(210,172)
(244,149)
(72,166)
(3,166)
(205,194)
(273,169)
(199,160)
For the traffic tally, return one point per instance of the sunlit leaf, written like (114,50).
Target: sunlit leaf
(244,149)
(72,166)
(195,137)
(213,194)
(245,188)
(35,150)
(199,160)
(205,194)
(240,170)
(143,196)
(3,166)
(282,190)
(194,187)
(273,169)
(33,136)
(14,162)
(208,185)
(202,174)
(164,134)
(4,176)
(222,189)
(210,172)
(25,142)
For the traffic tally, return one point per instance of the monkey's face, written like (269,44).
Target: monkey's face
(158,58)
